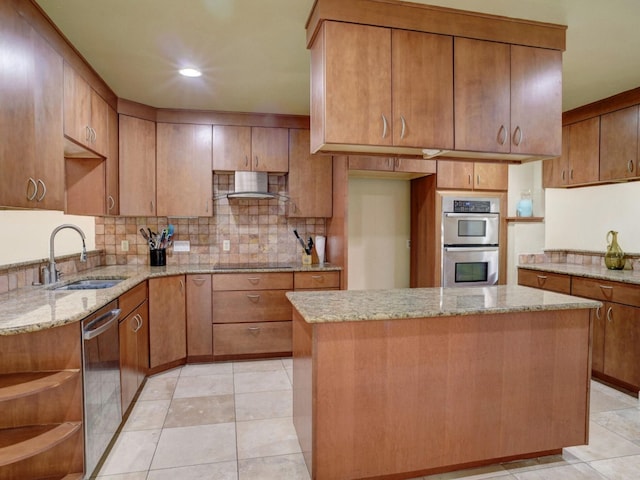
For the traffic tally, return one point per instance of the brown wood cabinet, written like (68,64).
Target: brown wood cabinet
(310,179)
(137,169)
(507,98)
(85,113)
(381,69)
(622,344)
(619,144)
(555,282)
(112,165)
(417,166)
(199,318)
(183,170)
(472,175)
(316,280)
(260,149)
(30,118)
(579,162)
(167,321)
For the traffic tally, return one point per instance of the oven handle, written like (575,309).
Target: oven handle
(473,215)
(471,249)
(88,333)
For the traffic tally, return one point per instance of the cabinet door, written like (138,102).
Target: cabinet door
(622,344)
(310,179)
(77,107)
(584,151)
(231,148)
(270,149)
(422,80)
(167,322)
(357,84)
(380,164)
(183,169)
(199,323)
(142,341)
(113,199)
(536,101)
(100,124)
(482,84)
(597,349)
(619,144)
(128,358)
(455,174)
(490,176)
(415,165)
(554,170)
(137,166)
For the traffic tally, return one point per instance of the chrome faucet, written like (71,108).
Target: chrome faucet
(52,275)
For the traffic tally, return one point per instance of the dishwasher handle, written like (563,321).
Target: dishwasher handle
(88,330)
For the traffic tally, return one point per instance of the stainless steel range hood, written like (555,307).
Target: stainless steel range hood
(251,185)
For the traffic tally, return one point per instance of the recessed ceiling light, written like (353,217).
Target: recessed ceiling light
(190,72)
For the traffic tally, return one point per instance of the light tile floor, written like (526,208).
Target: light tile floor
(232,421)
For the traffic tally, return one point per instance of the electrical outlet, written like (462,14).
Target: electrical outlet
(124,245)
(182,246)
(226,245)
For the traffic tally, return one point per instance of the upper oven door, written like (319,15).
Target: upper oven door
(470,228)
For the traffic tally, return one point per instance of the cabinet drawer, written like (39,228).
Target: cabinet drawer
(316,280)
(130,300)
(252,281)
(556,282)
(251,306)
(247,338)
(606,290)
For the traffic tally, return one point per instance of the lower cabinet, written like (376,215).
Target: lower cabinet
(555,282)
(622,344)
(199,311)
(252,338)
(167,321)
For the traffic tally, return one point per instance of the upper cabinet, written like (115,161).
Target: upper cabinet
(183,170)
(137,169)
(414,167)
(112,165)
(31,150)
(85,114)
(472,175)
(389,88)
(260,149)
(619,144)
(507,98)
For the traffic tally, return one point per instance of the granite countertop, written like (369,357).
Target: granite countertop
(35,308)
(357,305)
(588,271)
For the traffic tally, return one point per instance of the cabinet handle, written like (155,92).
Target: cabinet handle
(404,126)
(606,287)
(630,166)
(44,190)
(246,161)
(502,135)
(317,277)
(598,316)
(138,320)
(206,206)
(181,286)
(571,174)
(87,134)
(199,281)
(609,316)
(254,280)
(396,163)
(477,179)
(253,298)
(35,189)
(253,330)
(541,279)
(389,162)
(112,203)
(151,206)
(517,134)
(384,126)
(256,160)
(469,179)
(563,175)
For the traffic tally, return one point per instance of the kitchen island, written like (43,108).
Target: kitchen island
(408,382)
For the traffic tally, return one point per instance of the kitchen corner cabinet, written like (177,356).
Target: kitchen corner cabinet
(183,170)
(199,320)
(167,321)
(137,168)
(111,166)
(579,162)
(401,80)
(310,179)
(85,113)
(259,149)
(31,150)
(392,164)
(461,175)
(619,144)
(507,98)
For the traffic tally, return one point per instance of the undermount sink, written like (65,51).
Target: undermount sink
(91,284)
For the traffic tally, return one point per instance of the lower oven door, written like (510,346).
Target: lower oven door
(469,266)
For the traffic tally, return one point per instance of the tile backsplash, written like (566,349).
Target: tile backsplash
(257,230)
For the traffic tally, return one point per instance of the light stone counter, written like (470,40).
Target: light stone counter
(588,271)
(36,308)
(357,305)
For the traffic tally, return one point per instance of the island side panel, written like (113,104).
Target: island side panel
(302,385)
(414,396)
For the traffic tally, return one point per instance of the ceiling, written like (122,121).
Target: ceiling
(254,59)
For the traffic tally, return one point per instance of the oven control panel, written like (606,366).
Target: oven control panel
(472,206)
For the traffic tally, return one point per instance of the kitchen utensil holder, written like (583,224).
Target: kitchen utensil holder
(158,257)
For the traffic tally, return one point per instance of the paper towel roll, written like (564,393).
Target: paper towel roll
(320,243)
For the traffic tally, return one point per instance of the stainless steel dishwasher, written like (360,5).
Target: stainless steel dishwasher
(101,382)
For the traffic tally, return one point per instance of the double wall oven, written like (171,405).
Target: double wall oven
(470,241)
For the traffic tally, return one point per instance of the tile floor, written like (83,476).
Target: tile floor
(232,421)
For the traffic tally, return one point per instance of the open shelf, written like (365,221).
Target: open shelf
(17,385)
(17,444)
(524,219)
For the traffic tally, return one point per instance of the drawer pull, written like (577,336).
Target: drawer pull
(198,281)
(606,287)
(317,277)
(254,280)
(253,298)
(253,330)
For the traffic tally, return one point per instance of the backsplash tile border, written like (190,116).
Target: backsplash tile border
(576,257)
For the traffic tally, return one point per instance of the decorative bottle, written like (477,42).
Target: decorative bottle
(614,258)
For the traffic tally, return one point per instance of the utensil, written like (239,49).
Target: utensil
(304,247)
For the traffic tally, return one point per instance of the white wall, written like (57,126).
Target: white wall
(25,234)
(579,218)
(379,227)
